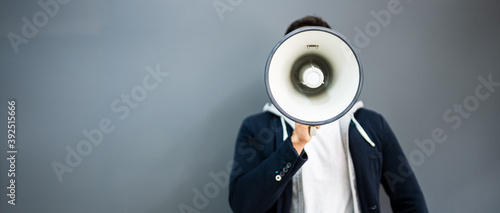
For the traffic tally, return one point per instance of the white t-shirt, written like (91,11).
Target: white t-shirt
(325,178)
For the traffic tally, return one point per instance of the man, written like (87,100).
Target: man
(346,163)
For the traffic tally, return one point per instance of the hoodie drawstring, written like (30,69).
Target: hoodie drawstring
(285,133)
(362,131)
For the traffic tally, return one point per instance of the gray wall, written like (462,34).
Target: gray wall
(159,149)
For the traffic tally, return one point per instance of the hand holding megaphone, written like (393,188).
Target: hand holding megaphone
(301,135)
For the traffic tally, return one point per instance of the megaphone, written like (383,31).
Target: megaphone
(313,76)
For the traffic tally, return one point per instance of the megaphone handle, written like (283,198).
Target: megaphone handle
(312,130)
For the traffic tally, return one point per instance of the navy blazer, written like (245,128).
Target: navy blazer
(261,155)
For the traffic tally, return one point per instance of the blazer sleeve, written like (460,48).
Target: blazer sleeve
(262,166)
(398,179)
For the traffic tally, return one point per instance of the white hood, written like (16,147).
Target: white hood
(268,107)
(344,120)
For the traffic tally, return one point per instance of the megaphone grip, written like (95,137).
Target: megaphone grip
(312,130)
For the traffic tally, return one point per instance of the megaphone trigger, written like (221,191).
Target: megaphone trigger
(312,131)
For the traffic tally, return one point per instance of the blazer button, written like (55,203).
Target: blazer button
(285,169)
(282,174)
(288,165)
(373,207)
(278,177)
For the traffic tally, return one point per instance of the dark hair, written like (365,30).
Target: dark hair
(307,21)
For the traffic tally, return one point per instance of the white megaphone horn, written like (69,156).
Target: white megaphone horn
(313,76)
